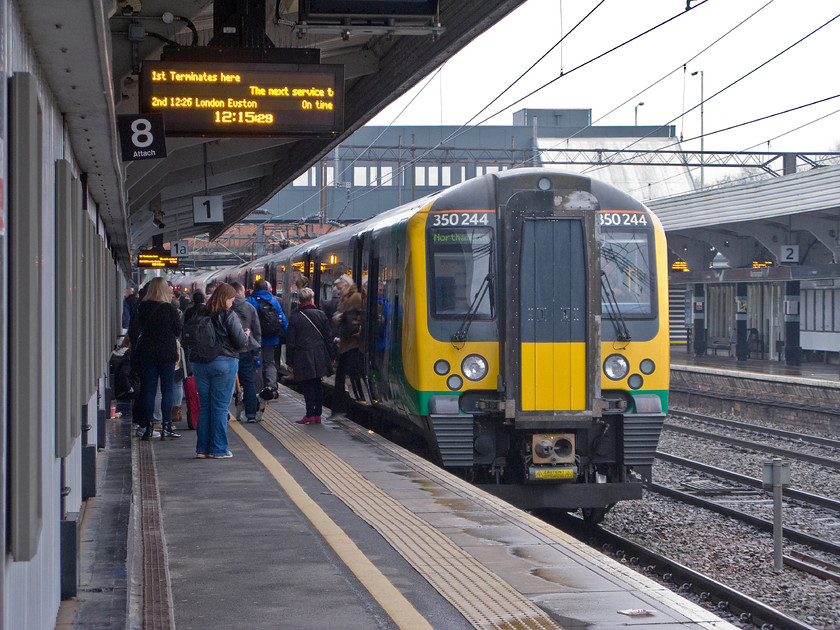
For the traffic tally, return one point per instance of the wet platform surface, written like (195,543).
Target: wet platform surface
(812,370)
(329,526)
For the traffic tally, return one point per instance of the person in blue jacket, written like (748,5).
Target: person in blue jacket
(262,294)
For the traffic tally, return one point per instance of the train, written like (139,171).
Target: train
(518,322)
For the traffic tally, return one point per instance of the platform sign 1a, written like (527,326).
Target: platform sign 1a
(208,209)
(179,249)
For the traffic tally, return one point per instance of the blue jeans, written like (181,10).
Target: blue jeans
(246,382)
(215,382)
(150,372)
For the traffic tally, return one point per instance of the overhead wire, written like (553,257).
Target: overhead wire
(730,85)
(464,127)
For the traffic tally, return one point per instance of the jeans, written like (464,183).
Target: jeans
(269,367)
(246,381)
(177,400)
(313,394)
(215,382)
(150,373)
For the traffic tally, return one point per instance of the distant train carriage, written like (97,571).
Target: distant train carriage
(518,321)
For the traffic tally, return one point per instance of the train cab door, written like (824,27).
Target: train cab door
(551,272)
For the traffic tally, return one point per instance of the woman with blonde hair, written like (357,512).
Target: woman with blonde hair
(155,354)
(216,380)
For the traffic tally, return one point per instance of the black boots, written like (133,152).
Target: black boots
(167,432)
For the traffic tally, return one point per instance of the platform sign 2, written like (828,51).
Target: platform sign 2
(789,254)
(141,136)
(208,209)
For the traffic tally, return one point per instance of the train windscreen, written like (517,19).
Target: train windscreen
(461,267)
(627,273)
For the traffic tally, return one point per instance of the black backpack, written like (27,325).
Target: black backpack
(270,323)
(199,338)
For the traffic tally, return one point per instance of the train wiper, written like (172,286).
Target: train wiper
(460,335)
(622,333)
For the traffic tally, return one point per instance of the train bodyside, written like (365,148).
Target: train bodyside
(567,411)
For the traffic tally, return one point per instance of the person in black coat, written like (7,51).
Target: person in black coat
(309,353)
(155,353)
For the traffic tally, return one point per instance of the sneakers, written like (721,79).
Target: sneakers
(227,455)
(250,420)
(309,420)
(140,430)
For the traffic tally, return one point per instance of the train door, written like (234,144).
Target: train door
(363,258)
(550,260)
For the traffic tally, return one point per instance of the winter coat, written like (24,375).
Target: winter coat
(269,340)
(229,332)
(249,319)
(349,309)
(158,325)
(309,351)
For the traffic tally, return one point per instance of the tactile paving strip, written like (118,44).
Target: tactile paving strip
(484,599)
(157,607)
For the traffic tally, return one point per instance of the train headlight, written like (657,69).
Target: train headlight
(454,382)
(616,367)
(647,366)
(441,367)
(474,367)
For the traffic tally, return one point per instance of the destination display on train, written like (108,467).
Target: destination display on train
(244,99)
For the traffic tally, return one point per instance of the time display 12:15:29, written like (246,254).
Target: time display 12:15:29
(228,117)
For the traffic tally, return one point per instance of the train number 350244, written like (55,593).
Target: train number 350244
(460,218)
(622,218)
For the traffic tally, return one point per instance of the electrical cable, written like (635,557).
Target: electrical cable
(733,83)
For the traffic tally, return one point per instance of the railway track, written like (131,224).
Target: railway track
(688,581)
(756,428)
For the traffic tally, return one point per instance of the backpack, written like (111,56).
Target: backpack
(270,323)
(199,339)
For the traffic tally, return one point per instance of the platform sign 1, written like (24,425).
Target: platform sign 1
(789,254)
(179,249)
(208,209)
(141,136)
(240,99)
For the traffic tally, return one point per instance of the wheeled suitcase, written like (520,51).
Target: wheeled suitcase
(191,397)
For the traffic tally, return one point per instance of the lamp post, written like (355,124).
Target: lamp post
(637,112)
(694,74)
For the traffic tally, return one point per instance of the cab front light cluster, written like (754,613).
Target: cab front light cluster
(617,367)
(473,368)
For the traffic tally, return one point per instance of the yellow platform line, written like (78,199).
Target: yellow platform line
(389,597)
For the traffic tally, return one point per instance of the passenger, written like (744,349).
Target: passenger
(215,381)
(347,319)
(156,353)
(183,300)
(195,305)
(329,307)
(309,353)
(130,303)
(249,359)
(270,340)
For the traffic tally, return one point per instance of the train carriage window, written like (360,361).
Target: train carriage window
(461,264)
(627,267)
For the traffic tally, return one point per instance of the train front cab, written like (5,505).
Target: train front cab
(546,437)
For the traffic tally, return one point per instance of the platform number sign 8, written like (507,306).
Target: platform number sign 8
(789,254)
(142,136)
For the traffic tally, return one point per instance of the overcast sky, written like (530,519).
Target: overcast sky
(613,85)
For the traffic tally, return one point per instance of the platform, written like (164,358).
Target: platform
(330,526)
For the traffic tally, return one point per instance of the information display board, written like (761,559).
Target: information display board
(201,98)
(156,258)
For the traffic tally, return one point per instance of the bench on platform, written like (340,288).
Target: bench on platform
(719,343)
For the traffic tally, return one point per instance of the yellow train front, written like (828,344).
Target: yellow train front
(520,323)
